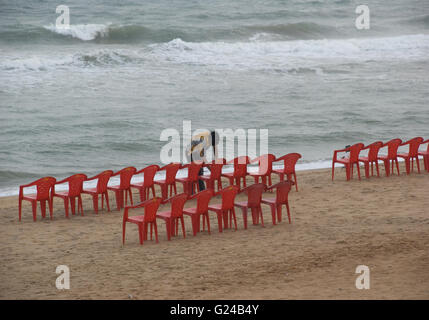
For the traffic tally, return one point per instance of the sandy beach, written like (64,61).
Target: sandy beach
(379,222)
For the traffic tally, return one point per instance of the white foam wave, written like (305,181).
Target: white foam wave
(85,32)
(261,54)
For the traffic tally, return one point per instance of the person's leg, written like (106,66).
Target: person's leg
(201,182)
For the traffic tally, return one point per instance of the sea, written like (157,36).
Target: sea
(98,94)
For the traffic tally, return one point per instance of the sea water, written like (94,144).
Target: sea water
(97,96)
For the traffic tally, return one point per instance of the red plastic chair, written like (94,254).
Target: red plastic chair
(147,184)
(282,194)
(75,183)
(226,207)
(289,162)
(265,168)
(43,194)
(413,153)
(425,155)
(372,158)
(124,186)
(103,180)
(149,217)
(240,171)
(392,155)
(174,215)
(191,181)
(201,210)
(254,197)
(353,159)
(170,179)
(215,168)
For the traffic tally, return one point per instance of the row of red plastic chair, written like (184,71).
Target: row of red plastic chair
(225,211)
(46,186)
(390,160)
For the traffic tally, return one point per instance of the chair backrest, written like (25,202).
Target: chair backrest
(254,194)
(414,146)
(392,148)
(228,196)
(171,171)
(149,174)
(193,170)
(240,166)
(216,168)
(266,163)
(125,176)
(355,150)
(103,180)
(203,200)
(44,186)
(282,191)
(290,161)
(76,184)
(150,209)
(373,150)
(177,204)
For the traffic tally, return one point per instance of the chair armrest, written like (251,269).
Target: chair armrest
(334,158)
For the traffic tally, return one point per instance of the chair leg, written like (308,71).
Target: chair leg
(296,181)
(73,205)
(288,212)
(387,167)
(208,221)
(279,213)
(123,232)
(358,169)
(397,166)
(183,226)
(20,209)
(66,207)
(376,166)
(156,231)
(50,208)
(107,201)
(366,164)
(225,220)
(131,196)
(34,208)
(95,202)
(333,170)
(141,235)
(262,217)
(235,218)
(418,164)
(80,204)
(219,220)
(168,228)
(348,172)
(43,208)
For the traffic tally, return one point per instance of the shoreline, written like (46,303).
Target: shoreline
(306,166)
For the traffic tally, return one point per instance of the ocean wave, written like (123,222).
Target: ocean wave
(293,31)
(291,54)
(85,32)
(294,57)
